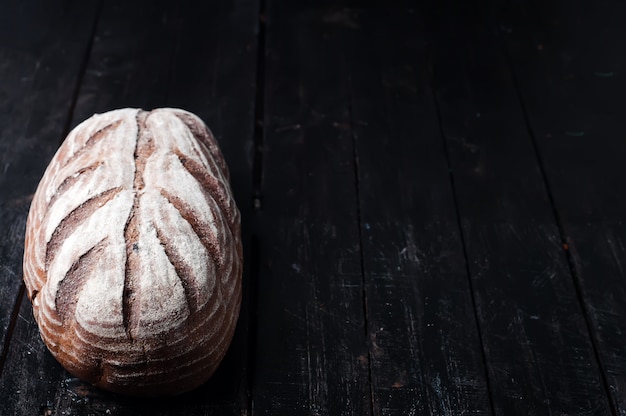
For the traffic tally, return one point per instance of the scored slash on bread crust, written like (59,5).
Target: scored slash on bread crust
(133,255)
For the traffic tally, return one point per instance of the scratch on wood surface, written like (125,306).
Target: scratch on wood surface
(412,336)
(412,252)
(23,319)
(541,278)
(441,402)
(8,270)
(286,311)
(27,347)
(616,257)
(317,383)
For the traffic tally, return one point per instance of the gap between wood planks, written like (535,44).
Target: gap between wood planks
(11,327)
(562,234)
(462,236)
(257,185)
(357,175)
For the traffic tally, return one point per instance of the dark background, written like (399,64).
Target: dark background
(432,195)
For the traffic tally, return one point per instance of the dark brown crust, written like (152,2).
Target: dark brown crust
(93,140)
(204,136)
(74,219)
(71,180)
(201,229)
(71,285)
(143,150)
(183,271)
(209,184)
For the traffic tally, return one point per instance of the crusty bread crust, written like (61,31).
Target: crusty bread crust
(133,254)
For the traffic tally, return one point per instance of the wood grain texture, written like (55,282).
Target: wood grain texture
(311,354)
(131,59)
(213,74)
(424,343)
(569,66)
(537,345)
(118,73)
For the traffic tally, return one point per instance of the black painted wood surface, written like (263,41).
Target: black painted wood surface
(526,299)
(425,347)
(575,115)
(431,196)
(311,351)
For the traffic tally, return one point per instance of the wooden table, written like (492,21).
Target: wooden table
(433,196)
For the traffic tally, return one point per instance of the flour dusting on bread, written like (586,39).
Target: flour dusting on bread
(133,254)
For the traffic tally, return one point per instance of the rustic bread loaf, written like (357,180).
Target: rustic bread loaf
(133,255)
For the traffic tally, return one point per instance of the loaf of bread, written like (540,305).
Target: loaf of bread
(133,254)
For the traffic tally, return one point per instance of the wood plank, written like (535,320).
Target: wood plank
(213,75)
(311,352)
(569,62)
(14,199)
(42,49)
(538,349)
(139,58)
(426,354)
(131,58)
